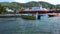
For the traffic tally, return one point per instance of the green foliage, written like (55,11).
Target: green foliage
(2,9)
(16,5)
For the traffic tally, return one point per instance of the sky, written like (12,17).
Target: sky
(6,0)
(24,1)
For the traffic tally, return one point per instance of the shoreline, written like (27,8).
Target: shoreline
(9,15)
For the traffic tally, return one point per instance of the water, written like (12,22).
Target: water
(46,25)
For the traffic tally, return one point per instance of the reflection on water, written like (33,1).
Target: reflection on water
(46,25)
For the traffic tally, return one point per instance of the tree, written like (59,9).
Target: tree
(21,9)
(2,9)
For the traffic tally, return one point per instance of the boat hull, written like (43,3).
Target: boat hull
(53,15)
(34,12)
(28,17)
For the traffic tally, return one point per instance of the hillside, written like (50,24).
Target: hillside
(16,5)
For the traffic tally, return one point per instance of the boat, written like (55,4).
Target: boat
(34,10)
(33,17)
(53,14)
(28,17)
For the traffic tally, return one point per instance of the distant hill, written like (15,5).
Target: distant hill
(58,6)
(16,5)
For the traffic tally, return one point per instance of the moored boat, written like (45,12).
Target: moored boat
(53,15)
(34,10)
(28,17)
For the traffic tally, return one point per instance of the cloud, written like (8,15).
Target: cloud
(20,1)
(49,1)
(52,1)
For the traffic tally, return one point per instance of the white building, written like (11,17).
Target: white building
(9,10)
